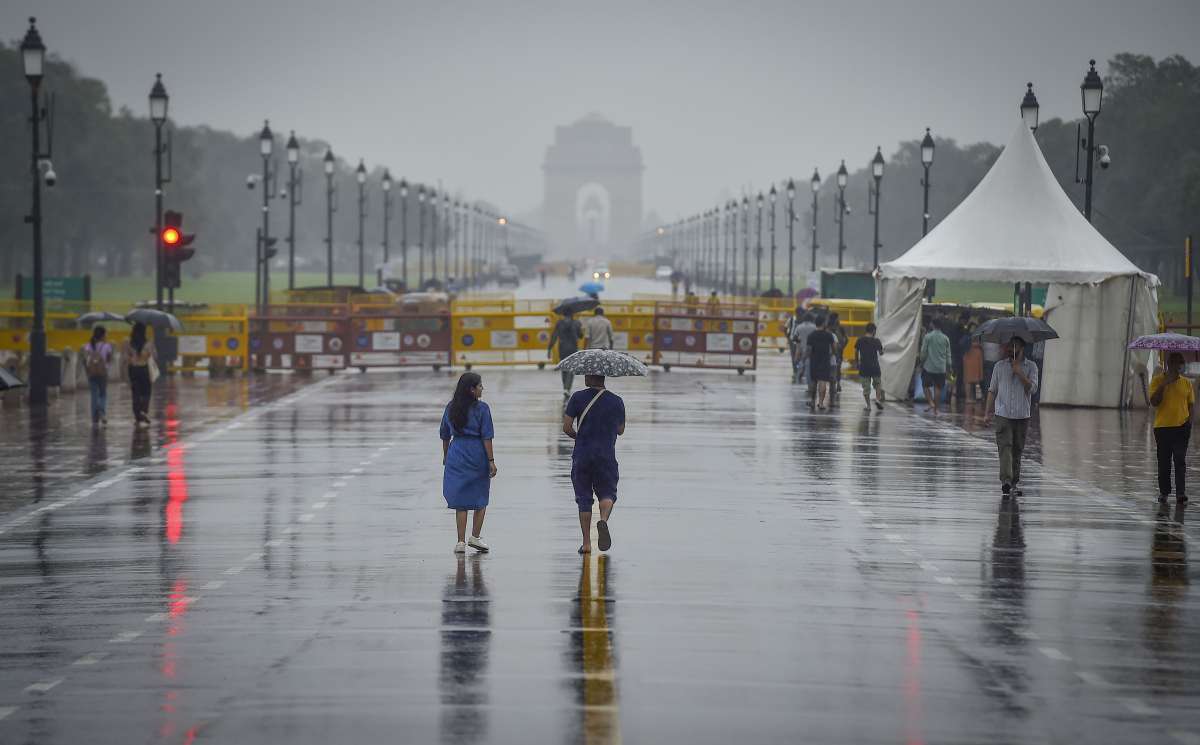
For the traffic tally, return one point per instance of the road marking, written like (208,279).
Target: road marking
(363,463)
(43,686)
(329,495)
(125,636)
(252,557)
(894,537)
(319,505)
(274,543)
(306,517)
(5,711)
(1094,679)
(1026,634)
(1137,706)
(338,484)
(945,580)
(156,617)
(235,570)
(91,658)
(1055,654)
(216,584)
(1187,738)
(928,566)
(288,530)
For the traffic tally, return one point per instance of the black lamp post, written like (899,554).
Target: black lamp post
(791,219)
(456,216)
(360,175)
(387,213)
(877,175)
(446,237)
(716,247)
(329,164)
(266,145)
(421,238)
(758,246)
(433,234)
(158,115)
(927,148)
(1029,108)
(404,231)
(1091,91)
(816,188)
(727,258)
(293,159)
(842,178)
(33,59)
(772,196)
(745,247)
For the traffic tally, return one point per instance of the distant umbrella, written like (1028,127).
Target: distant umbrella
(157,319)
(576,305)
(1002,330)
(591,288)
(607,362)
(9,381)
(1167,343)
(99,317)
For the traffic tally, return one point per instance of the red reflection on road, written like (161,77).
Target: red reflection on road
(177,492)
(912,682)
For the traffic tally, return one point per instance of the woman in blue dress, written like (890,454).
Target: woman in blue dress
(467,455)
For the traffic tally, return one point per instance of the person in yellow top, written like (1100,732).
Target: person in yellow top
(1173,400)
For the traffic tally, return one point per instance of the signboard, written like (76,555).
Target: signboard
(56,288)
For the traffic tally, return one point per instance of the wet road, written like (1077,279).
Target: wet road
(777,575)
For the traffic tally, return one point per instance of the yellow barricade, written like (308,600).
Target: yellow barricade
(213,338)
(500,331)
(854,315)
(773,315)
(62,330)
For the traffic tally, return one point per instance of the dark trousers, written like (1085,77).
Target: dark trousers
(1010,442)
(1172,444)
(139,386)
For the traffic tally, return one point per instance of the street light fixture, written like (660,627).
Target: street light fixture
(33,59)
(386,184)
(791,218)
(404,232)
(927,148)
(758,247)
(421,237)
(433,234)
(772,197)
(876,173)
(843,177)
(159,101)
(294,186)
(816,188)
(360,175)
(745,246)
(446,236)
(1091,92)
(731,218)
(1030,108)
(329,165)
(266,145)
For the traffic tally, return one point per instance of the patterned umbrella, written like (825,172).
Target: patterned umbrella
(1002,330)
(607,362)
(1167,343)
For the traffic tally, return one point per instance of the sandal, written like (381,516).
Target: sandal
(582,552)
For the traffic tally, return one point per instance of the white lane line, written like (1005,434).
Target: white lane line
(6,711)
(329,495)
(338,484)
(235,570)
(945,580)
(274,543)
(319,505)
(288,530)
(43,686)
(1055,654)
(894,537)
(216,584)
(1137,706)
(964,596)
(357,471)
(1187,738)
(125,636)
(156,617)
(1027,634)
(252,557)
(364,463)
(91,658)
(1093,679)
(928,566)
(306,517)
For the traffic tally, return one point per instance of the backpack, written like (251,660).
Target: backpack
(94,363)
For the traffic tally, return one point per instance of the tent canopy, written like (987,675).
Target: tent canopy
(1018,225)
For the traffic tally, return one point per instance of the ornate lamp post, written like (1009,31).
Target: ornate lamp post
(772,196)
(293,159)
(791,218)
(433,234)
(404,231)
(927,148)
(266,146)
(1091,91)
(842,178)
(387,212)
(745,247)
(360,175)
(421,238)
(816,189)
(1029,108)
(33,59)
(159,101)
(877,175)
(446,237)
(758,248)
(329,165)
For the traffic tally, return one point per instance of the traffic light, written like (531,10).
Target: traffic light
(176,248)
(270,250)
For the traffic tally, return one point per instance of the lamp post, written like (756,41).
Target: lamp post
(421,238)
(503,223)
(387,213)
(458,242)
(877,175)
(731,247)
(433,234)
(758,247)
(266,145)
(791,218)
(360,175)
(842,178)
(772,196)
(293,159)
(1029,108)
(33,58)
(404,231)
(158,115)
(1091,91)
(716,247)
(329,165)
(927,148)
(745,247)
(446,237)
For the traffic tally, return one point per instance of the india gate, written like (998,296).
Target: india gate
(593,178)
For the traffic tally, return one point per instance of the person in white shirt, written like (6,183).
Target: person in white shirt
(1010,399)
(599,331)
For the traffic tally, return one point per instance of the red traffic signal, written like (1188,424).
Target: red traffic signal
(171,236)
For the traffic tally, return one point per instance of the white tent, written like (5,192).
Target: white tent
(1019,226)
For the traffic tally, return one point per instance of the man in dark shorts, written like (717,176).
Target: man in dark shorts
(821,344)
(600,414)
(935,363)
(866,361)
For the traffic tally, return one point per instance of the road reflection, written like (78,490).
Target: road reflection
(1005,612)
(593,654)
(1168,593)
(466,642)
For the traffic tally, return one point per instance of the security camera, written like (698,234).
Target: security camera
(283,193)
(1105,158)
(51,177)
(251,180)
(48,174)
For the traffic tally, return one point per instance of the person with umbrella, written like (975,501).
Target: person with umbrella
(141,371)
(1174,403)
(1009,402)
(594,418)
(566,334)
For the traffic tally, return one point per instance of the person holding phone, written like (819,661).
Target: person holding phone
(1174,402)
(1009,402)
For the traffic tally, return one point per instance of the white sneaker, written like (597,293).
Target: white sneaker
(477,543)
(460,548)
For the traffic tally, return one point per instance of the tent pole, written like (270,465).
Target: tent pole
(1128,338)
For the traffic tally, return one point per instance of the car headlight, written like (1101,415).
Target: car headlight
(595,275)
(608,275)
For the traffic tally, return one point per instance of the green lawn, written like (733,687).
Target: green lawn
(213,288)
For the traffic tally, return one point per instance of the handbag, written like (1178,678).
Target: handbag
(588,408)
(152,366)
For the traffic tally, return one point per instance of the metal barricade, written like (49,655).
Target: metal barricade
(723,337)
(773,315)
(309,336)
(399,335)
(214,338)
(501,332)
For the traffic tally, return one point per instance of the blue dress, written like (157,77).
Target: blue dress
(466,483)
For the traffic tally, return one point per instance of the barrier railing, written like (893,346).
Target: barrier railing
(711,337)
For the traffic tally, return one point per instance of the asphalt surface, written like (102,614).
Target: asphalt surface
(281,570)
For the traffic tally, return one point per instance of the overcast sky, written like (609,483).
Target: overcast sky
(719,95)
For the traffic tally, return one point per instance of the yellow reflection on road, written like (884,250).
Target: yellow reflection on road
(601,713)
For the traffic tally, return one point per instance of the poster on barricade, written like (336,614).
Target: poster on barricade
(717,337)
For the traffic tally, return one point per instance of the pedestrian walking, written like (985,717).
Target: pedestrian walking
(594,418)
(599,331)
(141,371)
(566,334)
(468,459)
(839,351)
(866,360)
(97,355)
(799,339)
(821,345)
(935,362)
(1010,401)
(973,367)
(1174,403)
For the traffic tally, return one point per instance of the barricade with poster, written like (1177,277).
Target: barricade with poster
(214,338)
(499,331)
(721,337)
(773,316)
(414,331)
(309,336)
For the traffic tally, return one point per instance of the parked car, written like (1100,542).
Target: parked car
(508,275)
(663,273)
(600,271)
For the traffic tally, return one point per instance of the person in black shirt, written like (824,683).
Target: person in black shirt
(567,333)
(866,360)
(820,355)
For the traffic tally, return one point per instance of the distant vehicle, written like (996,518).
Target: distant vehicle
(508,275)
(600,271)
(663,272)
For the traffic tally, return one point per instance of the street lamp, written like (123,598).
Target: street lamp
(503,223)
(927,148)
(877,175)
(1029,108)
(266,145)
(772,196)
(421,238)
(387,211)
(329,165)
(816,188)
(33,58)
(433,234)
(842,178)
(293,159)
(360,175)
(404,232)
(758,246)
(1091,91)
(159,101)
(791,218)
(460,258)
(745,247)
(446,237)
(731,247)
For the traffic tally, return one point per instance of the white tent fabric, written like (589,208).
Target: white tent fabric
(1018,225)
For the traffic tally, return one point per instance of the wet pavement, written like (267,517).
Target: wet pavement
(286,575)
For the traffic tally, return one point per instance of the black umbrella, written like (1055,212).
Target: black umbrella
(155,318)
(99,316)
(8,380)
(576,305)
(1002,330)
